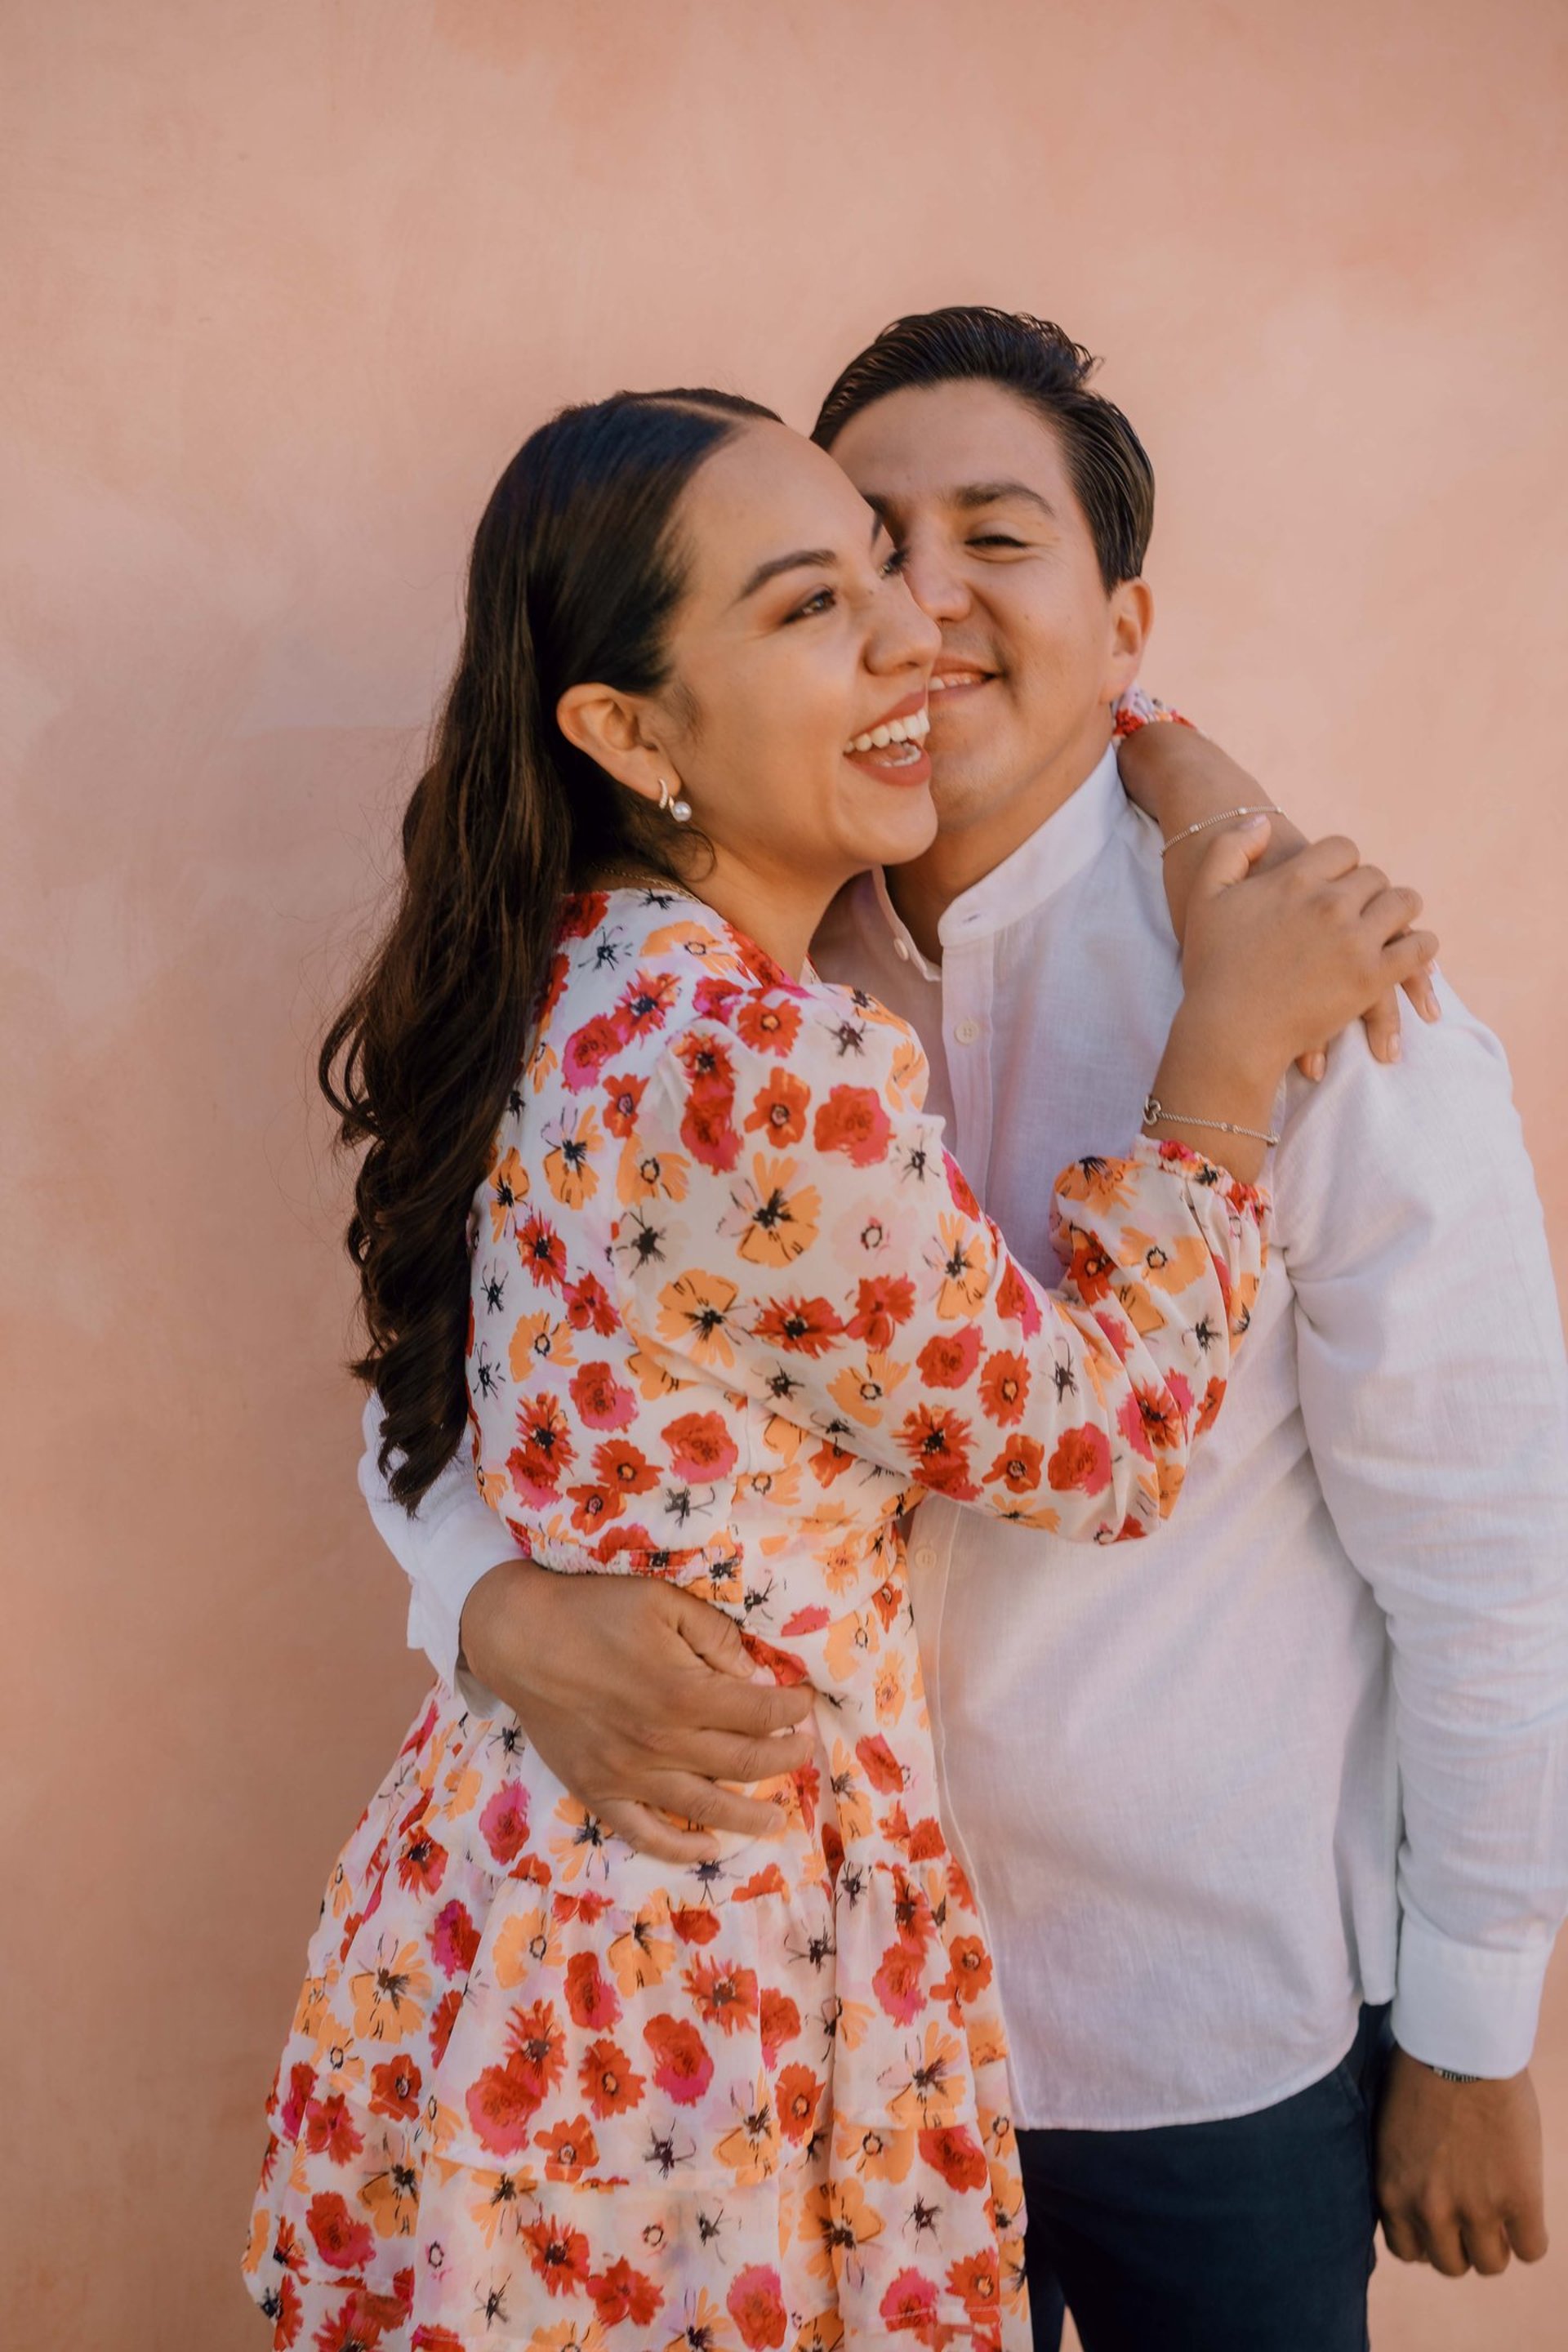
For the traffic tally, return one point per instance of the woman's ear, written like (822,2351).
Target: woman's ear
(611,728)
(1131,618)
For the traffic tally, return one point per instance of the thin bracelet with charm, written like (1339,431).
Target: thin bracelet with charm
(1226,816)
(1156,1114)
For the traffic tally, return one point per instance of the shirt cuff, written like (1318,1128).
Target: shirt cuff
(1464,2006)
(456,1555)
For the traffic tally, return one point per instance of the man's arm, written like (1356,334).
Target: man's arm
(638,1696)
(1435,1403)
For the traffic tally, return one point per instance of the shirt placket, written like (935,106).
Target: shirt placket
(967,991)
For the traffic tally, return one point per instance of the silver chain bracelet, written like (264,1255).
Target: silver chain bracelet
(1203,825)
(1155,1113)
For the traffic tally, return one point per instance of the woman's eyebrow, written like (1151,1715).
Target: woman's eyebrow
(803,559)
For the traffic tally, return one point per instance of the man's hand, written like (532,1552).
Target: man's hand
(640,1699)
(1459,2171)
(1178,777)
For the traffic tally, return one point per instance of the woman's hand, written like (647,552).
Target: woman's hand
(641,1699)
(1273,962)
(1179,778)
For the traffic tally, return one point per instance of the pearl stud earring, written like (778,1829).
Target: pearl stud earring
(680,810)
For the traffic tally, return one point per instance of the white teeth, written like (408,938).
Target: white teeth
(957,677)
(913,729)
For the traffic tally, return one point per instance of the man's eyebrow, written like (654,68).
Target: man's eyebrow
(969,494)
(803,558)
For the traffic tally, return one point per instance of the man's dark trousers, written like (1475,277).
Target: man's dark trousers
(1251,2235)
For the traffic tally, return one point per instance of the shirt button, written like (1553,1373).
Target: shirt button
(924,1555)
(901,951)
(966,1031)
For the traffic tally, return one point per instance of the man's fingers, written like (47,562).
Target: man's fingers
(1402,2239)
(752,1709)
(707,1806)
(734,1755)
(1445,2246)
(1392,910)
(1527,2232)
(714,1637)
(1486,2243)
(1405,956)
(649,1832)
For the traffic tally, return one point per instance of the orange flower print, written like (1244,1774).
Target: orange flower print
(780,1108)
(622,1099)
(568,1168)
(929,2089)
(569,2148)
(977,2282)
(590,2001)
(779,2019)
(1101,1184)
(1018,1466)
(882,1302)
(769,1026)
(589,1307)
(957,2154)
(620,2293)
(544,1451)
(798,2094)
(394,2088)
(840,2217)
(694,1312)
(623,1467)
(648,1003)
(751,2151)
(948,1358)
(559,2254)
(725,1996)
(936,1440)
(389,1998)
(776,1225)
(509,1185)
(1005,1387)
(643,1955)
(806,1326)
(607,2080)
(854,1121)
(965,1268)
(392,2200)
(1082,1459)
(543,1252)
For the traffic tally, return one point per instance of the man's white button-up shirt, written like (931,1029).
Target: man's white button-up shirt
(1307,1745)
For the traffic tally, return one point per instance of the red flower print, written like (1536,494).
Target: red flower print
(779,2020)
(806,1326)
(1130,1423)
(607,2081)
(969,1970)
(601,1401)
(854,1121)
(755,2302)
(538,2046)
(559,2255)
(341,2241)
(394,2088)
(454,1939)
(947,1361)
(352,2327)
(936,1440)
(976,2281)
(956,2155)
(896,1982)
(504,1823)
(544,1451)
(1208,1413)
(620,2293)
(622,1466)
(726,1996)
(1017,1466)
(588,1306)
(767,1881)
(880,1765)
(1161,1420)
(593,1508)
(958,1186)
(422,1864)
(708,1132)
(442,2017)
(700,1447)
(798,2094)
(648,1002)
(1090,1268)
(780,1106)
(302,2082)
(434,2339)
(542,1251)
(694,1925)
(622,1097)
(768,1026)
(1081,1460)
(713,997)
(909,2307)
(330,2130)
(1005,1387)
(708,1063)
(589,1048)
(926,1840)
(501,2107)
(287,2313)
(581,912)
(1016,1303)
(569,2148)
(591,2002)
(882,1302)
(810,1620)
(682,2068)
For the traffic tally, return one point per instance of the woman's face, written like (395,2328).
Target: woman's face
(795,640)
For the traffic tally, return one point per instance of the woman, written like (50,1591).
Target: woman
(660,1217)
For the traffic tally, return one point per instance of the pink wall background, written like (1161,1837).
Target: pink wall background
(287,283)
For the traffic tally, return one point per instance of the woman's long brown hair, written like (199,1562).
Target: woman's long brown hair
(576,575)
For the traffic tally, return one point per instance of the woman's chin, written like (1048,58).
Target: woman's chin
(904,830)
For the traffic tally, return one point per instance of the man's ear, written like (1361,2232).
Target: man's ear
(1131,618)
(613,730)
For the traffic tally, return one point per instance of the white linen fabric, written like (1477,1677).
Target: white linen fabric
(1306,1745)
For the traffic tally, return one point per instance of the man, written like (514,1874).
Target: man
(1305,1754)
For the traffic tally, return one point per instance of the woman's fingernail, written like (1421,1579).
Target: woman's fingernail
(1316,1066)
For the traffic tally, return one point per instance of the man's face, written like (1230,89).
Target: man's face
(974,487)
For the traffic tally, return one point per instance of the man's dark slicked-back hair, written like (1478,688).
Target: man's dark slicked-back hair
(1108,463)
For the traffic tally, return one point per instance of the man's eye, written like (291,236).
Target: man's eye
(821,603)
(995,538)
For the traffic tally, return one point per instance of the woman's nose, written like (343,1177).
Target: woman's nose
(903,634)
(934,583)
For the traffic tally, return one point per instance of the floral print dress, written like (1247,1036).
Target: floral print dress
(734,1312)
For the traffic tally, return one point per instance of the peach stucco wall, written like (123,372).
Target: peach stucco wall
(287,282)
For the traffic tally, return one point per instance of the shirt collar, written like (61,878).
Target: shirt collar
(1040,866)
